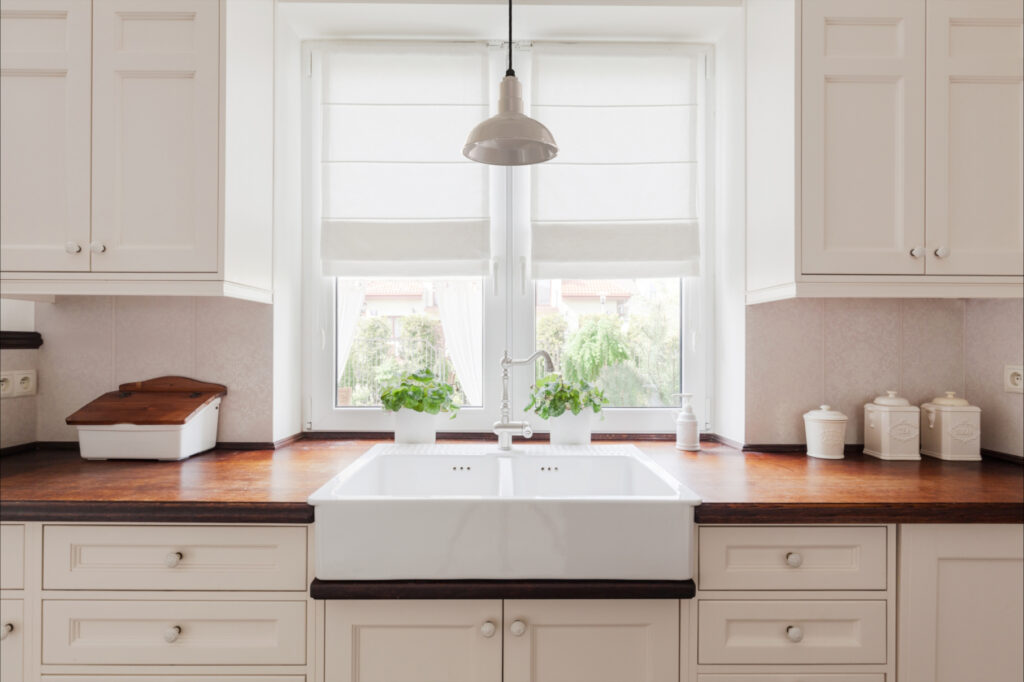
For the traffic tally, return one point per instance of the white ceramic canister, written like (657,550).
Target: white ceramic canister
(951,429)
(571,429)
(891,428)
(415,427)
(687,429)
(826,433)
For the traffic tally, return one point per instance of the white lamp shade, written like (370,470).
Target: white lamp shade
(510,138)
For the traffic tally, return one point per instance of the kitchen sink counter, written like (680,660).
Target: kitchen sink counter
(271,486)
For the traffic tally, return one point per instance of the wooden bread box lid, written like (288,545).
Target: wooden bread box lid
(160,401)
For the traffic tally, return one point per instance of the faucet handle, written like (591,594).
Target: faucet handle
(527,431)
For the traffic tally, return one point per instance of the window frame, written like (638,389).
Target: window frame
(509,292)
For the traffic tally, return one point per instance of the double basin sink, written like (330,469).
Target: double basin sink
(451,512)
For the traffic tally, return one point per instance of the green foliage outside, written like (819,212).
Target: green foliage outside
(376,360)
(420,391)
(552,397)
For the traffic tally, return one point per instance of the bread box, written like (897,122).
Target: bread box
(168,418)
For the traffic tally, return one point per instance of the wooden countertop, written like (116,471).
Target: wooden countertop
(266,486)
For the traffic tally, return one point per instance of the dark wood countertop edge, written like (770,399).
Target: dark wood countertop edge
(839,512)
(157,512)
(502,589)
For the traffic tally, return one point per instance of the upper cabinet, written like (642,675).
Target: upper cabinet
(138,147)
(884,151)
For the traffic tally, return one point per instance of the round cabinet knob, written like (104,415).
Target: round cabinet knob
(794,559)
(917,252)
(517,628)
(72,247)
(488,629)
(7,629)
(98,247)
(173,559)
(941,252)
(794,633)
(172,633)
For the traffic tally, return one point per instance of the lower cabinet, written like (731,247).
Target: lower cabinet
(494,641)
(12,640)
(961,603)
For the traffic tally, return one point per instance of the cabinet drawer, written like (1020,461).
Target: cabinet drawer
(12,557)
(174,558)
(12,646)
(143,632)
(793,677)
(823,632)
(792,558)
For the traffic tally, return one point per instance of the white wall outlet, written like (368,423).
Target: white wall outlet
(1013,378)
(20,382)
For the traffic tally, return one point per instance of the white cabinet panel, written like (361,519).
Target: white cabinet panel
(174,632)
(45,58)
(12,556)
(413,641)
(12,644)
(206,678)
(173,558)
(155,135)
(792,558)
(862,139)
(960,603)
(975,172)
(593,640)
(793,677)
(792,632)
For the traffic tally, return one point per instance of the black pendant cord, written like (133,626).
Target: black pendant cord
(510,72)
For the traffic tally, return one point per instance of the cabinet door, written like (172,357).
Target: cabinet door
(961,603)
(155,138)
(44,127)
(975,145)
(592,640)
(863,137)
(12,640)
(413,641)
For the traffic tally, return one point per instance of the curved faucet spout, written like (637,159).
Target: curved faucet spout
(505,428)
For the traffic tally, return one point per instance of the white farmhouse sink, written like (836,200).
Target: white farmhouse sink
(449,512)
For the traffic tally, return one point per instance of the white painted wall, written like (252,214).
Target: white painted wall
(802,353)
(287,309)
(729,354)
(17,316)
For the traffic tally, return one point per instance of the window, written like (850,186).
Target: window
(424,259)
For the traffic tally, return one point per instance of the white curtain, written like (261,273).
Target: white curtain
(350,303)
(460,303)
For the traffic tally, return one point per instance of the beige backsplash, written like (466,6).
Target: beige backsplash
(93,343)
(803,353)
(800,353)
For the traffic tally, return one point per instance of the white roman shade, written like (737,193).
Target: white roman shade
(398,197)
(621,198)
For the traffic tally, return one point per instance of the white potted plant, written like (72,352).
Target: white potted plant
(569,407)
(416,400)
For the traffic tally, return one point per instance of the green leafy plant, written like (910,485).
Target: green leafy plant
(421,392)
(553,397)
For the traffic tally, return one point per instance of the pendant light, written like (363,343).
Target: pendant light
(511,138)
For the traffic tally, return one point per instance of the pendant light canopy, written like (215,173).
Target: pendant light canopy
(511,138)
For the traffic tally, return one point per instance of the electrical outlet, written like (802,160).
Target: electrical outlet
(24,382)
(1013,378)
(7,385)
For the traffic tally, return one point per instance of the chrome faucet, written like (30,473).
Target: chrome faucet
(505,428)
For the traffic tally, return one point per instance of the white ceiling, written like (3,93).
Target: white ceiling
(485,20)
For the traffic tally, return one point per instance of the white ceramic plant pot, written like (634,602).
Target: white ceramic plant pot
(415,427)
(571,429)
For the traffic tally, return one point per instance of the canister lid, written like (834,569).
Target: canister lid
(890,399)
(950,399)
(825,413)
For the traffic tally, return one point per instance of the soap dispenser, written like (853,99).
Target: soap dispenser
(687,433)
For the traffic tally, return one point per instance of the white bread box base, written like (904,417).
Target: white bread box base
(147,441)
